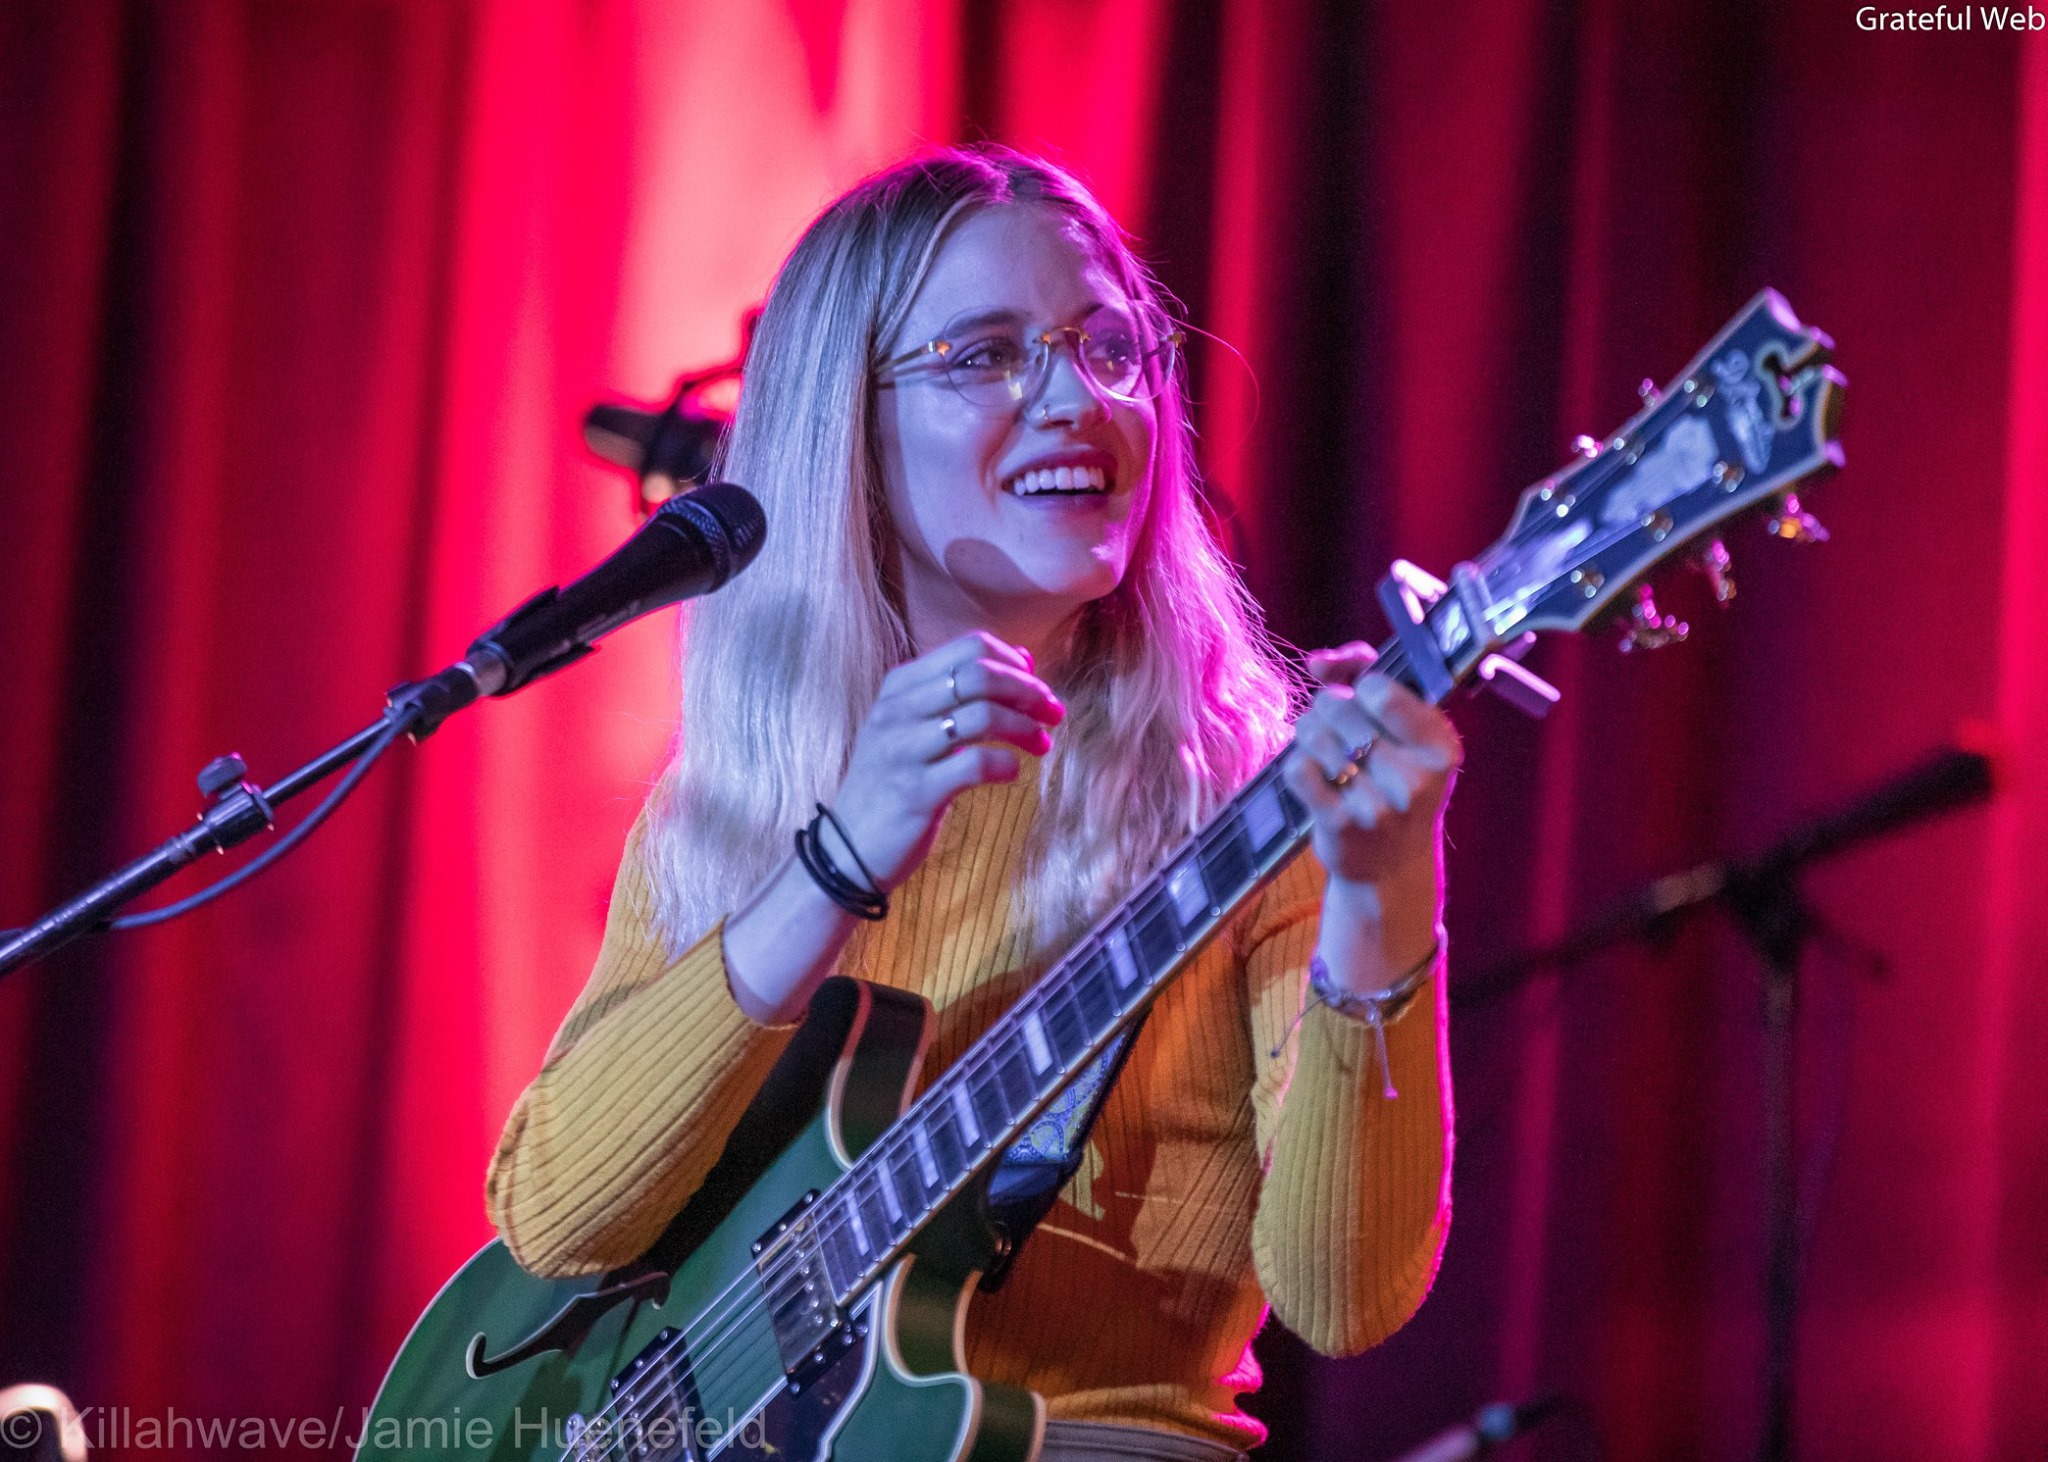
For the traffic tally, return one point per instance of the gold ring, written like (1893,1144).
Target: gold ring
(1354,762)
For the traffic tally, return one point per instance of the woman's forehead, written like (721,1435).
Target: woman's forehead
(1027,260)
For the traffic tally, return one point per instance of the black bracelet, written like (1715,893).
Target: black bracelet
(863,903)
(846,841)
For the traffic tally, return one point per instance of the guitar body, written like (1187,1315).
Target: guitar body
(891,1385)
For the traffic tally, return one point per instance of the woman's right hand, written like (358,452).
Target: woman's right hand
(944,722)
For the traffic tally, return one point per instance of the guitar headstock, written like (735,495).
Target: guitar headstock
(1750,418)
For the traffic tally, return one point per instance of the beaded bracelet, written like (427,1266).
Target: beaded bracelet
(1375,1008)
(863,903)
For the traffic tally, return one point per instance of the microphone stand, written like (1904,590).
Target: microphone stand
(1762,896)
(691,545)
(239,810)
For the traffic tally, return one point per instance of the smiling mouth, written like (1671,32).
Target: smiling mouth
(1060,482)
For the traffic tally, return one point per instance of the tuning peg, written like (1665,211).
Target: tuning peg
(1793,523)
(1585,446)
(1713,561)
(1649,392)
(1647,629)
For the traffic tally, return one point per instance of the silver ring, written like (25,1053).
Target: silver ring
(952,730)
(953,686)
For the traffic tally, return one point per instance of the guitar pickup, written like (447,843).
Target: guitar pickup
(810,1330)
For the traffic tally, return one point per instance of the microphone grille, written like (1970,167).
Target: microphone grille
(730,520)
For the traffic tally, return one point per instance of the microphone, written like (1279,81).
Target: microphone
(1489,1427)
(691,545)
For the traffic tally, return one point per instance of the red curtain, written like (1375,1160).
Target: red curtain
(301,301)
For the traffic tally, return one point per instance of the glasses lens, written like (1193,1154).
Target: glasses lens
(989,366)
(1114,348)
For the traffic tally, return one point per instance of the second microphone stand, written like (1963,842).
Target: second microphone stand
(1762,897)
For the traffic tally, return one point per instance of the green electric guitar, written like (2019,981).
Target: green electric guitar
(808,1301)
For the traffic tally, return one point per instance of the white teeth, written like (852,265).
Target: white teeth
(1060,479)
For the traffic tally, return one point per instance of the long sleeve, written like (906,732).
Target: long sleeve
(640,1089)
(1355,1202)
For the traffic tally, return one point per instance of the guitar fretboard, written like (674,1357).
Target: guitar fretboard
(979,1107)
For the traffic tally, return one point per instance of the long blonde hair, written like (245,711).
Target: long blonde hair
(1175,695)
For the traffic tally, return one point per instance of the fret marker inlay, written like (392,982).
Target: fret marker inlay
(964,1110)
(1035,1044)
(1190,897)
(1120,960)
(1263,817)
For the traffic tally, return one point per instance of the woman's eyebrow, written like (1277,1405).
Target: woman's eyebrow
(975,319)
(1003,315)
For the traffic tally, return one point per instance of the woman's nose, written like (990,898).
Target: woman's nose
(1067,394)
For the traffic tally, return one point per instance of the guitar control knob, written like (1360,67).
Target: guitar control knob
(1793,523)
(1647,629)
(1713,561)
(1649,392)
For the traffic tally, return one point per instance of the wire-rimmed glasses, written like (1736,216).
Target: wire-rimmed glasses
(994,364)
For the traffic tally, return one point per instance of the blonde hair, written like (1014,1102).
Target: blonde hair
(1175,695)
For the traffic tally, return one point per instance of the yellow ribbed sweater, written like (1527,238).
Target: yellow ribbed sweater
(1217,1178)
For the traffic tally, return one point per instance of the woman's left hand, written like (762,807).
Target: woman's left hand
(1375,764)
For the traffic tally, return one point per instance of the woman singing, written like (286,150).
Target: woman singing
(991,633)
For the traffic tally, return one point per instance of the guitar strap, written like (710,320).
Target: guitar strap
(1041,1163)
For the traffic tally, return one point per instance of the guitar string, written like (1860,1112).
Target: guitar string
(1149,900)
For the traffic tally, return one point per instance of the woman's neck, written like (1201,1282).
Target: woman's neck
(1048,636)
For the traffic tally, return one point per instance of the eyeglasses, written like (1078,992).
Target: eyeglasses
(993,364)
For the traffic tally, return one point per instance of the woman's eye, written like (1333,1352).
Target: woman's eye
(1119,349)
(994,354)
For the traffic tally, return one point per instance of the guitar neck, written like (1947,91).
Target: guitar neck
(977,1109)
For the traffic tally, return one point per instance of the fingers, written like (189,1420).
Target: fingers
(974,667)
(985,720)
(961,715)
(1366,758)
(1343,664)
(1385,784)
(1408,719)
(987,679)
(971,766)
